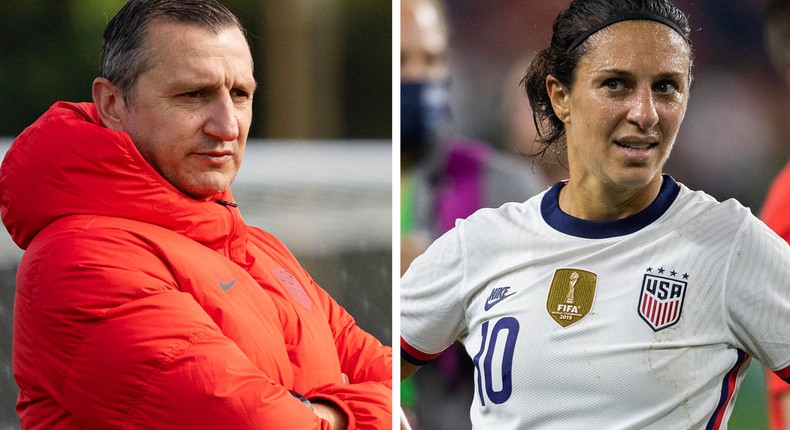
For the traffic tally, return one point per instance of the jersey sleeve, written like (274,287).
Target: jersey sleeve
(432,315)
(757,296)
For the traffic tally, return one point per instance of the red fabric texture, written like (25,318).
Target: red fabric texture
(777,388)
(140,307)
(777,204)
(775,214)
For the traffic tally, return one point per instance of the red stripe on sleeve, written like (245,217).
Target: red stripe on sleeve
(784,374)
(415,356)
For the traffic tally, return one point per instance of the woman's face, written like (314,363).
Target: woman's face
(625,107)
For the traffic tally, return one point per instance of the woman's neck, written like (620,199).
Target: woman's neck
(595,201)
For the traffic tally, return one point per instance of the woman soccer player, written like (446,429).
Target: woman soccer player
(619,298)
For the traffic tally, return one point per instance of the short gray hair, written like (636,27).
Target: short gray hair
(124,53)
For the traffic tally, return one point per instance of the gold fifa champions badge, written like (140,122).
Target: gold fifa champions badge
(571,295)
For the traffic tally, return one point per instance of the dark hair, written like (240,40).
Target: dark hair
(125,55)
(777,34)
(568,46)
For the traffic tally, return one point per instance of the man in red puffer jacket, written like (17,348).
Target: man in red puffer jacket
(143,299)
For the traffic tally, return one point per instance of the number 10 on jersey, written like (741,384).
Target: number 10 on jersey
(494,361)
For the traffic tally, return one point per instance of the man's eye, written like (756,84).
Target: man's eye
(193,94)
(240,94)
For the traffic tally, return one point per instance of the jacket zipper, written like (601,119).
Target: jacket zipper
(229,205)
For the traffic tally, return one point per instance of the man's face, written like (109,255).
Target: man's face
(189,114)
(423,39)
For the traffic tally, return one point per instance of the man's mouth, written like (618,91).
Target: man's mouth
(216,157)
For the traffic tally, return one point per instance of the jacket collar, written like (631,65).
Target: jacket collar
(68,163)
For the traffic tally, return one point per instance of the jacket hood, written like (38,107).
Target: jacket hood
(68,163)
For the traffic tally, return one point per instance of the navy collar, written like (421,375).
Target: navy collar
(560,221)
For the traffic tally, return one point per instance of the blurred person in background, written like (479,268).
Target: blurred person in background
(143,299)
(520,132)
(443,178)
(619,298)
(776,210)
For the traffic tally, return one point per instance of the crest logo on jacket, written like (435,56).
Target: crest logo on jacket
(294,287)
(571,295)
(661,299)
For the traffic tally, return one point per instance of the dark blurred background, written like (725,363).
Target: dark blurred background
(736,134)
(318,170)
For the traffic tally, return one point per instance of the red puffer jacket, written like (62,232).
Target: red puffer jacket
(775,214)
(139,307)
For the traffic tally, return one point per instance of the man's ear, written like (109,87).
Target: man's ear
(110,103)
(558,95)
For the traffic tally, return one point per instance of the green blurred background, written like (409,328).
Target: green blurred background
(324,68)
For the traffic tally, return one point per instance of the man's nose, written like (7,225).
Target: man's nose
(222,122)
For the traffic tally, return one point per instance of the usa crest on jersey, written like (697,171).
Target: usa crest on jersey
(661,299)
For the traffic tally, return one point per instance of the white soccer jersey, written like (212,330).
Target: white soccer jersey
(643,323)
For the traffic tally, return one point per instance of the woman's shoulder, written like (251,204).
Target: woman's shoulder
(505,221)
(510,212)
(704,204)
(702,214)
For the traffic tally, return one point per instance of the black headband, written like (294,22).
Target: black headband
(623,17)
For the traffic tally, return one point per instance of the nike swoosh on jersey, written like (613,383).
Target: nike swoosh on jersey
(226,286)
(491,303)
